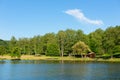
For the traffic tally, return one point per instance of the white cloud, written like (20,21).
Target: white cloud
(80,16)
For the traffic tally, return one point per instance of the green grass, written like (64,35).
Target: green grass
(32,57)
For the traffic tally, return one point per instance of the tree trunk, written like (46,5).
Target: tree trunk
(81,55)
(62,50)
(111,55)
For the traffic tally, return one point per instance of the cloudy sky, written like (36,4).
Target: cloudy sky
(27,18)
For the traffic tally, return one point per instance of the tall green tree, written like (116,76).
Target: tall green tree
(22,44)
(69,41)
(39,45)
(111,40)
(95,41)
(3,47)
(12,43)
(61,40)
(49,38)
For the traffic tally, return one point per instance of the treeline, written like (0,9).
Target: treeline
(101,42)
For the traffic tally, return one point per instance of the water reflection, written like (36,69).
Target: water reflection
(57,70)
(39,62)
(33,62)
(45,62)
(2,62)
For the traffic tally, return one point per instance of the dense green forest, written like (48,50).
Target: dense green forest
(63,43)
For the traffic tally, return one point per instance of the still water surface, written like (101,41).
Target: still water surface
(50,70)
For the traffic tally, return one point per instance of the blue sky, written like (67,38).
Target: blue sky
(27,18)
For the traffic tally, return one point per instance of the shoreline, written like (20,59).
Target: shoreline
(57,58)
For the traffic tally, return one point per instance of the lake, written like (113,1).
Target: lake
(58,70)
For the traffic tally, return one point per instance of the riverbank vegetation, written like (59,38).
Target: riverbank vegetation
(58,58)
(104,43)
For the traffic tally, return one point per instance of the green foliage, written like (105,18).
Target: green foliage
(99,41)
(61,41)
(52,50)
(105,56)
(116,49)
(80,48)
(69,41)
(80,36)
(16,53)
(95,41)
(3,47)
(2,50)
(111,40)
(3,43)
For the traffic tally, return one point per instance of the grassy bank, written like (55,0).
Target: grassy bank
(31,57)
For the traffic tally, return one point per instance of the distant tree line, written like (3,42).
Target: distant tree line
(101,42)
